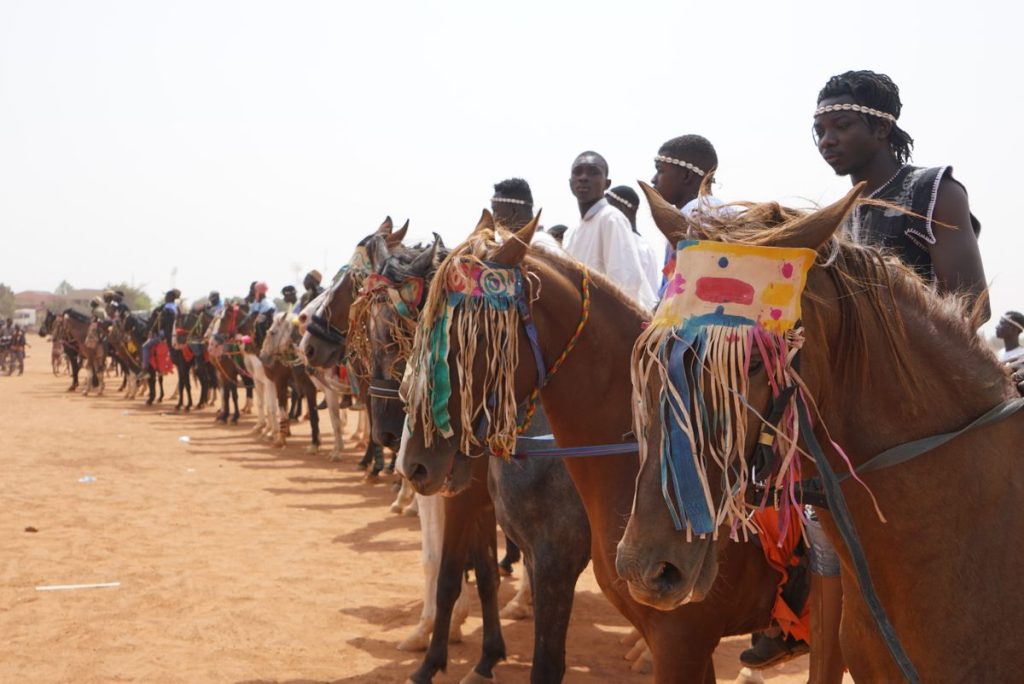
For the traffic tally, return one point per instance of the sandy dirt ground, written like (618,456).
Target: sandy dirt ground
(237,562)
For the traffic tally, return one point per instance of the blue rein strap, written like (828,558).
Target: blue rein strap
(841,515)
(531,334)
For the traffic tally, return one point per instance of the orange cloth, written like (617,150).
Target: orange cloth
(781,558)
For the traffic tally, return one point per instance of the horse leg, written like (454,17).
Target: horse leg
(336,425)
(103,378)
(484,553)
(457,539)
(314,414)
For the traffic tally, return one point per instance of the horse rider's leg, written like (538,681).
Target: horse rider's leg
(826,600)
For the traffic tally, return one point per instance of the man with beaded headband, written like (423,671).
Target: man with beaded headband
(512,206)
(625,199)
(925,221)
(855,128)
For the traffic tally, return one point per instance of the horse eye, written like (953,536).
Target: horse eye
(756,362)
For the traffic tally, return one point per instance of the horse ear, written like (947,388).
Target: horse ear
(386,227)
(425,260)
(670,221)
(396,238)
(814,229)
(377,251)
(514,248)
(486,222)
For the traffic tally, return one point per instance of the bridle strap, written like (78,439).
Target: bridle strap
(844,523)
(384,389)
(321,328)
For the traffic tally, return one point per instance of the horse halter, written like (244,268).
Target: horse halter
(405,298)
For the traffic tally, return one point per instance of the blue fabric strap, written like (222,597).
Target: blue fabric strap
(533,336)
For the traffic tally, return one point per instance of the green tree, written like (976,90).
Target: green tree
(6,301)
(64,289)
(135,297)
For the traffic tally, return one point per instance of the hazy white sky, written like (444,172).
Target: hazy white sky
(236,141)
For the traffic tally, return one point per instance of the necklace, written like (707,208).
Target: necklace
(874,193)
(887,183)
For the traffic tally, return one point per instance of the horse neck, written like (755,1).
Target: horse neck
(947,382)
(588,400)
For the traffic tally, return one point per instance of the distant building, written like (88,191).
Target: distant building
(41,300)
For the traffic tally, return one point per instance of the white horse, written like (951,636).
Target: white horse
(268,424)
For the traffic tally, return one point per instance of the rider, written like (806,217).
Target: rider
(18,344)
(625,199)
(604,241)
(512,207)
(161,326)
(313,290)
(216,305)
(1010,326)
(261,308)
(856,131)
(290,298)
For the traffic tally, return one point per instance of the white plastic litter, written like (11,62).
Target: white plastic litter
(185,439)
(67,587)
(87,479)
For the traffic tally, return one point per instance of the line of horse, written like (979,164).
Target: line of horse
(883,361)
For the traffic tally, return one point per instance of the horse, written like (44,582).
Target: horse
(226,356)
(54,325)
(556,549)
(875,341)
(126,338)
(86,335)
(195,324)
(285,368)
(329,383)
(323,344)
(586,323)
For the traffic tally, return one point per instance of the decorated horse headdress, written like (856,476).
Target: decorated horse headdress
(473,307)
(727,310)
(398,281)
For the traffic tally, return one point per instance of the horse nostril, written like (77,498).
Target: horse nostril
(664,575)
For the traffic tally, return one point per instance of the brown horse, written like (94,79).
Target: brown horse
(877,342)
(587,402)
(87,336)
(54,325)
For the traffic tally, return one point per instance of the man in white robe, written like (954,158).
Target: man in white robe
(625,199)
(604,240)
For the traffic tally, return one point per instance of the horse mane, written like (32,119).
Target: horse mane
(869,281)
(563,261)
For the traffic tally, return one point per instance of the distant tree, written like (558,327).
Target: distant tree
(135,297)
(6,301)
(64,289)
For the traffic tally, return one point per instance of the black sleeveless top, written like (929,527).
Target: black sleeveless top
(908,236)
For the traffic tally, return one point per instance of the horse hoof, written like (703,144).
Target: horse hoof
(312,449)
(475,677)
(334,456)
(411,512)
(748,676)
(455,634)
(395,508)
(516,611)
(644,664)
(417,641)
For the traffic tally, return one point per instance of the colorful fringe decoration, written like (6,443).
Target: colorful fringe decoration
(405,298)
(485,296)
(724,305)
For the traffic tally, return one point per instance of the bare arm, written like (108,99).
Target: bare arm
(955,254)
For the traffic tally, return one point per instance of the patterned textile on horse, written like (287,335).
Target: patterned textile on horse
(780,552)
(160,359)
(725,306)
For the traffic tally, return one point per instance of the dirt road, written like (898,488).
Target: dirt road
(236,562)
